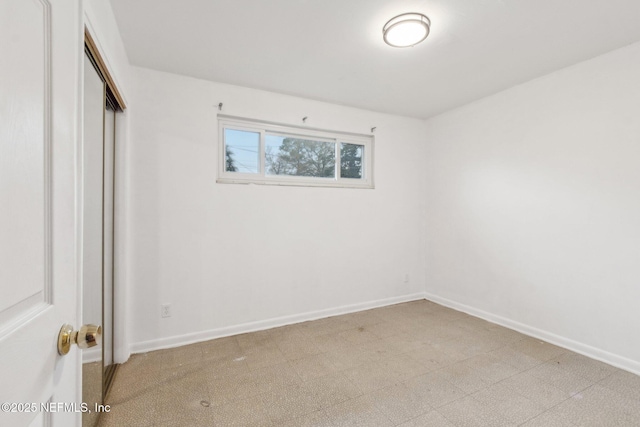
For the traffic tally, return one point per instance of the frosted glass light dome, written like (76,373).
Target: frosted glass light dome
(406,30)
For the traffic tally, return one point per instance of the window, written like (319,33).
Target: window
(265,153)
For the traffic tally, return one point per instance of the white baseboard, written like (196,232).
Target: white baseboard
(618,361)
(178,340)
(92,355)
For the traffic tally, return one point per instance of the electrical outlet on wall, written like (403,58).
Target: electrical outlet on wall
(406,278)
(165,310)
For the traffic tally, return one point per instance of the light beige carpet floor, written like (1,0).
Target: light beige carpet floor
(412,364)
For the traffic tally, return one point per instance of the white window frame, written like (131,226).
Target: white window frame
(263,128)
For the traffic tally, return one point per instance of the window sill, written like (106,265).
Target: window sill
(297,183)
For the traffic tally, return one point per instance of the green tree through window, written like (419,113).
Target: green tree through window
(350,160)
(256,152)
(230,161)
(301,157)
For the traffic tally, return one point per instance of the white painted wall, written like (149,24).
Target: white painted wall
(231,257)
(521,208)
(533,207)
(101,23)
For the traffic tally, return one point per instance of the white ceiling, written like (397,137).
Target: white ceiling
(332,50)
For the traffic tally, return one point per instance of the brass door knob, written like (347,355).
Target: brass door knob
(87,336)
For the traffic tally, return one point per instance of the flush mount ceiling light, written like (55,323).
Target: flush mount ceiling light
(406,30)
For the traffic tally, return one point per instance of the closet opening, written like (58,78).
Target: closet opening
(102,103)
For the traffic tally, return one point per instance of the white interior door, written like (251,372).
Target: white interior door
(40,206)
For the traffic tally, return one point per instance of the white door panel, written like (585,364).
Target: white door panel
(24,154)
(40,47)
